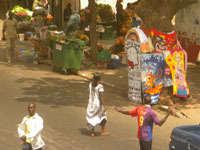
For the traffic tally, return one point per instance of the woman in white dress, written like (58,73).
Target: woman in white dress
(96,110)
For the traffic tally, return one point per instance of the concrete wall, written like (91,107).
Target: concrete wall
(188,29)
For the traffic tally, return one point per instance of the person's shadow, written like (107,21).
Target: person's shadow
(84,131)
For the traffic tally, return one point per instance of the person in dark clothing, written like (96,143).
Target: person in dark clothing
(67,13)
(119,16)
(29,4)
(87,17)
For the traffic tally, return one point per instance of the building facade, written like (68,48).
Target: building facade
(187,23)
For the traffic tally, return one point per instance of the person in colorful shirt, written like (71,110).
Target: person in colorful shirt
(146,117)
(73,23)
(29,130)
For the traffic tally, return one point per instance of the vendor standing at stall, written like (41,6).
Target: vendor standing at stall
(73,23)
(67,13)
(119,16)
(10,31)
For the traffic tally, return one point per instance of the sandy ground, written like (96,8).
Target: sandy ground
(62,100)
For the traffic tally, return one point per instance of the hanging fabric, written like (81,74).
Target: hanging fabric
(153,68)
(164,42)
(177,61)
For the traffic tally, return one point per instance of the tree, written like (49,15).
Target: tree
(158,14)
(93,35)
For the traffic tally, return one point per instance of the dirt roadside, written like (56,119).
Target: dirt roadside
(189,107)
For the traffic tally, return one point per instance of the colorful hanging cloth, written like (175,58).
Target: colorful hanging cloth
(153,68)
(164,42)
(177,61)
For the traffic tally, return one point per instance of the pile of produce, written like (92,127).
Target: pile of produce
(21,13)
(118,48)
(69,40)
(105,12)
(82,36)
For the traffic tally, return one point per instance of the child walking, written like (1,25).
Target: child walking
(96,109)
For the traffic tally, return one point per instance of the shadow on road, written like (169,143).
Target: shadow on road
(53,91)
(85,132)
(63,92)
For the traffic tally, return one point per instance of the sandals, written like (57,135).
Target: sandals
(105,133)
(102,133)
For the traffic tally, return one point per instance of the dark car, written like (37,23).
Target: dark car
(185,138)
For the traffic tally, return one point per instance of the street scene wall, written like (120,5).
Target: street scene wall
(187,27)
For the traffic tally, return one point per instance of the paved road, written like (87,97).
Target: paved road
(61,100)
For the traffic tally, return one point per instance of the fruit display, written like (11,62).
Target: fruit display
(105,12)
(22,14)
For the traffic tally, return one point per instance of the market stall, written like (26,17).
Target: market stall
(105,21)
(33,26)
(24,31)
(23,17)
(40,35)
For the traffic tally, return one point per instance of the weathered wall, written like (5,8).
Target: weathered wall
(188,29)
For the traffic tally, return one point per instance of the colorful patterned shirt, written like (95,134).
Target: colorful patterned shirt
(146,117)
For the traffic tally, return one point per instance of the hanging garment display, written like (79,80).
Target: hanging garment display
(153,68)
(163,42)
(177,61)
